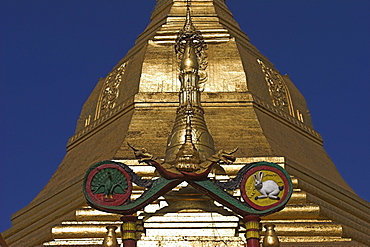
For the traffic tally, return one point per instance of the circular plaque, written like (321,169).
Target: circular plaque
(107,184)
(266,187)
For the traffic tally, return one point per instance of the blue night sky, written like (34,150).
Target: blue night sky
(53,52)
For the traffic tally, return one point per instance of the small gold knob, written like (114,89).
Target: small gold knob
(110,239)
(270,239)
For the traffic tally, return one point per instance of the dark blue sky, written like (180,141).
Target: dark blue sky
(53,52)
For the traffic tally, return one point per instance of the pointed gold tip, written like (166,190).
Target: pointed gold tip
(188,2)
(188,27)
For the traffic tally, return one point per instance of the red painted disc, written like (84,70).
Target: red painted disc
(108,185)
(264,187)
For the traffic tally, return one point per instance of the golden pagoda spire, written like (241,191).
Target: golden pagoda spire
(248,104)
(190,141)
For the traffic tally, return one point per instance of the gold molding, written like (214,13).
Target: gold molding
(239,99)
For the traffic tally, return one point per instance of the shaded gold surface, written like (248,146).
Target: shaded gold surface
(90,214)
(87,229)
(307,228)
(296,211)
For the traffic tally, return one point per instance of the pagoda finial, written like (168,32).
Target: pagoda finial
(188,27)
(190,142)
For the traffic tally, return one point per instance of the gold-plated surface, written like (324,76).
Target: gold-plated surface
(307,228)
(86,229)
(90,214)
(252,234)
(300,211)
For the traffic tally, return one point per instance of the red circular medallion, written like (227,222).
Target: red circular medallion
(108,185)
(264,187)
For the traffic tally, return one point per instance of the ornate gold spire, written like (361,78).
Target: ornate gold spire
(188,27)
(190,142)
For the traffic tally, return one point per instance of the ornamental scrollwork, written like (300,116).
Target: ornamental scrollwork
(110,91)
(277,89)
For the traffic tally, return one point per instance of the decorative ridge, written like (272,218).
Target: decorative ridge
(188,136)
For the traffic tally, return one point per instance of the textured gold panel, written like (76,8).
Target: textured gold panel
(90,214)
(300,211)
(307,228)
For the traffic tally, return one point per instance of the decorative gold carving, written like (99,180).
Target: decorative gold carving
(190,32)
(110,91)
(279,92)
(87,121)
(300,116)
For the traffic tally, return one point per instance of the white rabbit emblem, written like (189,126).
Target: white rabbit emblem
(268,189)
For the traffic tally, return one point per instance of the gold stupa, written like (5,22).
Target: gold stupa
(246,103)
